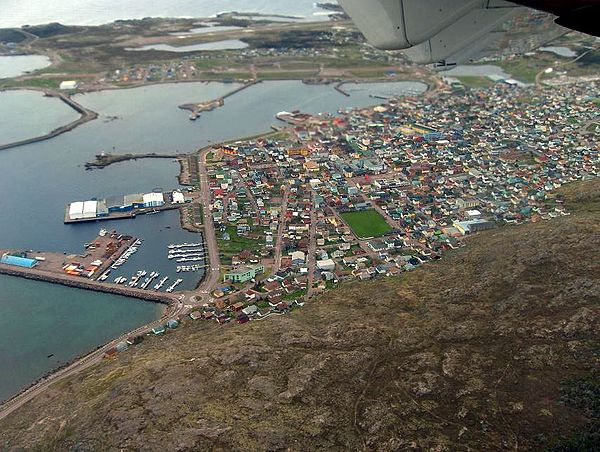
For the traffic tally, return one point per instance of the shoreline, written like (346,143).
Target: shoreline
(90,115)
(86,116)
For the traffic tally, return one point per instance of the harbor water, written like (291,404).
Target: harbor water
(15,65)
(39,179)
(45,326)
(31,107)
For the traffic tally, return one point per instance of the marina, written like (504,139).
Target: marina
(89,270)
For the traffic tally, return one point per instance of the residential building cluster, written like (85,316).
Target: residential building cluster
(379,191)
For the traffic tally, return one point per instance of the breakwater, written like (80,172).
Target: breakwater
(197,108)
(104,160)
(86,116)
(80,283)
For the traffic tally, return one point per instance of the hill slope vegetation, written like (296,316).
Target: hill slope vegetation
(492,348)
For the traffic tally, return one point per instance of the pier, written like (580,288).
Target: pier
(81,283)
(131,212)
(198,108)
(81,270)
(86,116)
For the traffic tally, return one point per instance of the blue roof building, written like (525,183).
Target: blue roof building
(18,261)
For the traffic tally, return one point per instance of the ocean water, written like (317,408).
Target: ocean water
(31,107)
(15,13)
(40,319)
(38,180)
(15,65)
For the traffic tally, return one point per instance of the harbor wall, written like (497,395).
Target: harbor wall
(81,283)
(86,116)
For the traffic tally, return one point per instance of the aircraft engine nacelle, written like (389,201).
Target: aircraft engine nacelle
(433,30)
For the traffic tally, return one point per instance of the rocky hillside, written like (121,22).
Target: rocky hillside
(494,347)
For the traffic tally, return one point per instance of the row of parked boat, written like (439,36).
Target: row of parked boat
(174,254)
(183,252)
(135,281)
(127,254)
(187,252)
(171,288)
(183,245)
(190,268)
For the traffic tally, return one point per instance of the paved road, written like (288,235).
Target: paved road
(281,230)
(212,279)
(312,246)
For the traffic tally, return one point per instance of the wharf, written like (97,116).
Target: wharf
(122,215)
(86,284)
(106,248)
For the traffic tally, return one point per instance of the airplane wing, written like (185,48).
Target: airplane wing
(447,32)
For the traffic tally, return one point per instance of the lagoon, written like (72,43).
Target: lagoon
(228,44)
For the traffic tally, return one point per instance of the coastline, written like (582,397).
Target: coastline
(80,363)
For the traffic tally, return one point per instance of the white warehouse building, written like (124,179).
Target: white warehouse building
(90,209)
(83,210)
(76,210)
(154,200)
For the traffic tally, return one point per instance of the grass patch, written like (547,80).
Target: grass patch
(237,242)
(366,223)
(593,127)
(474,81)
(292,75)
(47,83)
(295,295)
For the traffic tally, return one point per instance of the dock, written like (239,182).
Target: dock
(82,270)
(130,213)
(111,216)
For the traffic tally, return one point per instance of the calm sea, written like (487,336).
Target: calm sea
(15,13)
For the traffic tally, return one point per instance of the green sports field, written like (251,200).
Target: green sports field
(366,223)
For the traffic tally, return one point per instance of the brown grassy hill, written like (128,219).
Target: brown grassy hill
(494,347)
